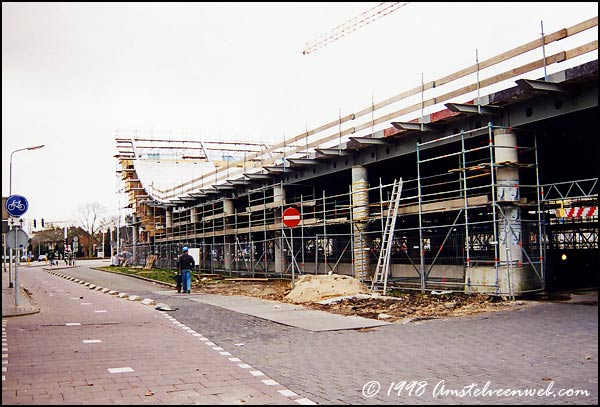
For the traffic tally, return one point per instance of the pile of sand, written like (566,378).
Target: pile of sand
(313,288)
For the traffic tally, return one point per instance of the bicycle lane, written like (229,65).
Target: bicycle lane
(89,347)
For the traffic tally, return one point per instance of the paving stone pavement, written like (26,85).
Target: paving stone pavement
(541,347)
(89,347)
(518,349)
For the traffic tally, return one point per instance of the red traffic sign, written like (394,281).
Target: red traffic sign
(291,217)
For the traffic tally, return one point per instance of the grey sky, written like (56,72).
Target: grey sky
(74,73)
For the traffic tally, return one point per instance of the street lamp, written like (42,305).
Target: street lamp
(9,194)
(11,155)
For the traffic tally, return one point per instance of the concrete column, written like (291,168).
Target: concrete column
(168,218)
(194,215)
(507,196)
(513,276)
(360,213)
(279,244)
(278,253)
(279,194)
(134,234)
(229,240)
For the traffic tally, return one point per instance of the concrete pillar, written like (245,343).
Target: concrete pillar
(168,218)
(278,253)
(507,196)
(134,235)
(229,240)
(279,244)
(513,276)
(360,213)
(194,215)
(279,194)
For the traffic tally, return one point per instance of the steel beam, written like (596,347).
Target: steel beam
(413,126)
(540,86)
(330,152)
(473,109)
(255,177)
(277,169)
(299,162)
(368,141)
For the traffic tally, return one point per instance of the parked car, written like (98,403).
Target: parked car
(42,257)
(26,257)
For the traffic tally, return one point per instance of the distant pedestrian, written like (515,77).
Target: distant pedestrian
(185,264)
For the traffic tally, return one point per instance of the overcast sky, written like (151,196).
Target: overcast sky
(73,74)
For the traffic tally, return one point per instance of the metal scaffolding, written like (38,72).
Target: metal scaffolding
(453,217)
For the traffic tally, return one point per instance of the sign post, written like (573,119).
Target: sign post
(16,206)
(291,218)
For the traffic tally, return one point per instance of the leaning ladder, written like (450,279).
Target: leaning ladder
(383,263)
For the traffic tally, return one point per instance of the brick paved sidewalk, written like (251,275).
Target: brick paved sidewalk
(89,347)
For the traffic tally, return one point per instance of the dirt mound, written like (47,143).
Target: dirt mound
(405,306)
(415,306)
(313,288)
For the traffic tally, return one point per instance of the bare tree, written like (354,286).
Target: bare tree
(91,219)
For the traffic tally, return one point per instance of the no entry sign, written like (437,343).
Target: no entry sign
(291,217)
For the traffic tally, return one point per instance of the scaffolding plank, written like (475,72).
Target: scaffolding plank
(445,205)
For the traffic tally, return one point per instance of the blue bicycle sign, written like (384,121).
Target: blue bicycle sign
(16,205)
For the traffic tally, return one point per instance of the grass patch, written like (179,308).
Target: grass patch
(164,275)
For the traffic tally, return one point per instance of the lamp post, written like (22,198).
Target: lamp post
(9,194)
(10,169)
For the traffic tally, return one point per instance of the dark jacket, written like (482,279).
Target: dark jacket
(185,262)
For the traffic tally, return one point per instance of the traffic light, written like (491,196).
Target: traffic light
(34,223)
(42,222)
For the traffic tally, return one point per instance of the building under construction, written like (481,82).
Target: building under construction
(495,193)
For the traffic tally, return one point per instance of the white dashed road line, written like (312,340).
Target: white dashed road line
(256,373)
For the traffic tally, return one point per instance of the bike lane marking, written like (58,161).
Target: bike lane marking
(256,373)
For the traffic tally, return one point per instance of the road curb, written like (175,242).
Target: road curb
(145,301)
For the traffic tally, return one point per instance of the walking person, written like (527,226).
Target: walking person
(185,264)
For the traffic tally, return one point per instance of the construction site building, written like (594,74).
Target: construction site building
(485,186)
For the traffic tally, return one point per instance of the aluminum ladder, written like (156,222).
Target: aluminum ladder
(383,263)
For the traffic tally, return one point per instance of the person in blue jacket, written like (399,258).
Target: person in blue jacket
(185,264)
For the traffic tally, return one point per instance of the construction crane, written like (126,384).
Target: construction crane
(367,17)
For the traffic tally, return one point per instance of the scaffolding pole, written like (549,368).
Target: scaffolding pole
(539,212)
(421,249)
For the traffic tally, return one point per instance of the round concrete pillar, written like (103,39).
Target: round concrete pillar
(507,196)
(507,175)
(279,243)
(360,214)
(228,241)
(168,218)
